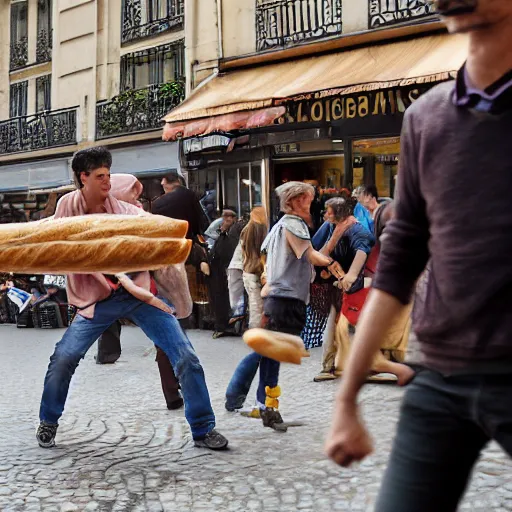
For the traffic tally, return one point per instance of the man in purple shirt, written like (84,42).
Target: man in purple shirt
(453,217)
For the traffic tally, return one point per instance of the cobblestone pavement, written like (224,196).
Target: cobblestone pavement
(119,449)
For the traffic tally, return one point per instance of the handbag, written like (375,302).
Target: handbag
(353,304)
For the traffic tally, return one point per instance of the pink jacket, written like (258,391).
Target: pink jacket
(85,290)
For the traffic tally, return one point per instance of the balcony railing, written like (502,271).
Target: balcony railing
(44,46)
(390,12)
(19,53)
(137,110)
(133,27)
(39,131)
(283,23)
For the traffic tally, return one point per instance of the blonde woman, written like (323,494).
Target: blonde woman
(252,238)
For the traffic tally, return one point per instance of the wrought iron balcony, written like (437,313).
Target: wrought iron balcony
(390,12)
(44,46)
(39,131)
(283,23)
(134,27)
(19,53)
(137,110)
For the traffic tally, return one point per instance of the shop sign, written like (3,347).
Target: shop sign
(196,144)
(356,106)
(280,149)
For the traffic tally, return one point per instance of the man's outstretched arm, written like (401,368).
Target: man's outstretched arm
(404,254)
(348,440)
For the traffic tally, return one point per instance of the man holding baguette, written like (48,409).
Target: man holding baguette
(103,299)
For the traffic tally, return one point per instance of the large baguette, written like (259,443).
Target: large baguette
(109,255)
(92,227)
(279,346)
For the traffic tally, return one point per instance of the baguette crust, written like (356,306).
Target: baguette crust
(107,255)
(279,346)
(92,227)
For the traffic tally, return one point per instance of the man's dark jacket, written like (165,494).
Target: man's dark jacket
(182,204)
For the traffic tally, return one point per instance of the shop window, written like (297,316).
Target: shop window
(230,187)
(376,162)
(255,185)
(204,184)
(326,172)
(241,188)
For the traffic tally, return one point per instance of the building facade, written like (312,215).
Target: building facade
(311,90)
(77,73)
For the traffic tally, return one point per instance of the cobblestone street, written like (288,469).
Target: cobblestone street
(120,449)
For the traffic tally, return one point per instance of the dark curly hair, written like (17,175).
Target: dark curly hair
(88,160)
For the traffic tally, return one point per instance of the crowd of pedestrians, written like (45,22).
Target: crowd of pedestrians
(445,242)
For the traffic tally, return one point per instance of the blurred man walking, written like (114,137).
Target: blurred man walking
(453,209)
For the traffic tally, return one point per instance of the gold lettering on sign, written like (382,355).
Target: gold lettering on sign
(351,108)
(364,106)
(317,111)
(299,113)
(375,103)
(391,95)
(414,95)
(400,101)
(328,111)
(380,104)
(337,109)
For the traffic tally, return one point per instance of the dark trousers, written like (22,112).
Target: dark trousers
(445,422)
(109,351)
(281,315)
(109,345)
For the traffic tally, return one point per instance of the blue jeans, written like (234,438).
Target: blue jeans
(240,383)
(161,328)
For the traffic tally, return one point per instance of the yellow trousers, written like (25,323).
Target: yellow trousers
(394,344)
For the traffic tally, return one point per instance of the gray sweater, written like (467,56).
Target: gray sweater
(454,209)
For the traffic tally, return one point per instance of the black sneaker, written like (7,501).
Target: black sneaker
(272,418)
(45,434)
(213,441)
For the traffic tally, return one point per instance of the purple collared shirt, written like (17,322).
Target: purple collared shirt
(493,99)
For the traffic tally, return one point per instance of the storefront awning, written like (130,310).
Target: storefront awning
(42,174)
(223,123)
(416,61)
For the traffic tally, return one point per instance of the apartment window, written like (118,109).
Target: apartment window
(19,34)
(18,95)
(283,23)
(143,18)
(44,31)
(43,93)
(390,12)
(153,66)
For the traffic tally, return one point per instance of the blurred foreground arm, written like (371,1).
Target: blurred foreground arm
(348,440)
(404,254)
